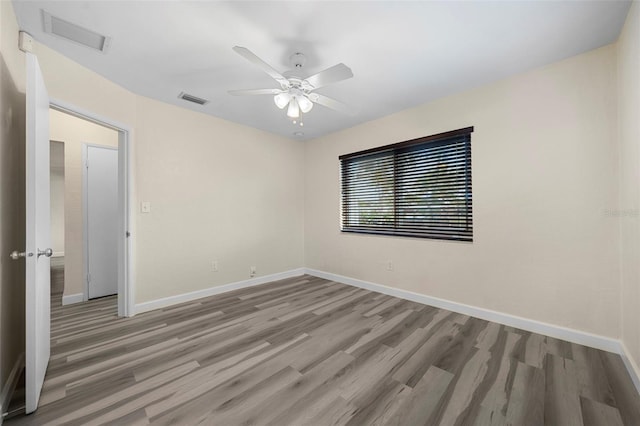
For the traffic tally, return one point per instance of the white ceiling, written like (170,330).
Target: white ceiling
(402,53)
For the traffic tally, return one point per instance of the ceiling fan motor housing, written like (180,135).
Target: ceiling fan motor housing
(297,60)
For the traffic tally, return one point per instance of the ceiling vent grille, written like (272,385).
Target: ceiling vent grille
(190,98)
(75,33)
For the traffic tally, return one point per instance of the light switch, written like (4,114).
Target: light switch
(145,207)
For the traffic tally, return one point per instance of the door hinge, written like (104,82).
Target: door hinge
(128,234)
(88,278)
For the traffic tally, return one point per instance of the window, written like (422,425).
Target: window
(417,188)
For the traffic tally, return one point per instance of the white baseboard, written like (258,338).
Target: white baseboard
(58,254)
(568,334)
(10,384)
(187,297)
(632,367)
(70,299)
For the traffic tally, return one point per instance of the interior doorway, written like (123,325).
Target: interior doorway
(115,137)
(84,199)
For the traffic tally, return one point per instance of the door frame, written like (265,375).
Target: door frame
(125,242)
(85,212)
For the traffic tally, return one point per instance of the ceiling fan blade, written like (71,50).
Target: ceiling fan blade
(255,92)
(251,57)
(330,75)
(331,103)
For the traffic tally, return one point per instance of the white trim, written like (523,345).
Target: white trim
(70,299)
(187,297)
(632,367)
(58,254)
(568,334)
(126,282)
(85,236)
(10,385)
(76,111)
(126,262)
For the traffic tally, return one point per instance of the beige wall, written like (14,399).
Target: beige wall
(218,190)
(68,81)
(74,132)
(544,175)
(57,197)
(12,201)
(629,213)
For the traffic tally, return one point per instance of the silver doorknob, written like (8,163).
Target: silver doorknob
(48,252)
(15,255)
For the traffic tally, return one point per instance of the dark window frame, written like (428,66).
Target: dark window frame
(392,181)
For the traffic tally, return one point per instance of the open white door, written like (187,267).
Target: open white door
(38,251)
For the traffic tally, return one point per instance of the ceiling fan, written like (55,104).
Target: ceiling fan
(297,93)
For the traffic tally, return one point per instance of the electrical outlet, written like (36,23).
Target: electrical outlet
(390,265)
(214,266)
(252,271)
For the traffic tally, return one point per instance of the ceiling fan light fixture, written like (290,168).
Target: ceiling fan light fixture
(305,104)
(294,110)
(282,99)
(295,93)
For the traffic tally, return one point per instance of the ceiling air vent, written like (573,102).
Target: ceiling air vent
(72,32)
(194,99)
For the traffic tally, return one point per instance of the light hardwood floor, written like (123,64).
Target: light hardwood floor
(307,351)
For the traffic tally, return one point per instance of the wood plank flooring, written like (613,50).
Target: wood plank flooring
(307,351)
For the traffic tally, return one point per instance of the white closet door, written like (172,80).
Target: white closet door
(102,220)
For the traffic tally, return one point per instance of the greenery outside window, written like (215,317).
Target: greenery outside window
(417,188)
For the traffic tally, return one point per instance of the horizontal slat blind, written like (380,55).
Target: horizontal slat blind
(419,189)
